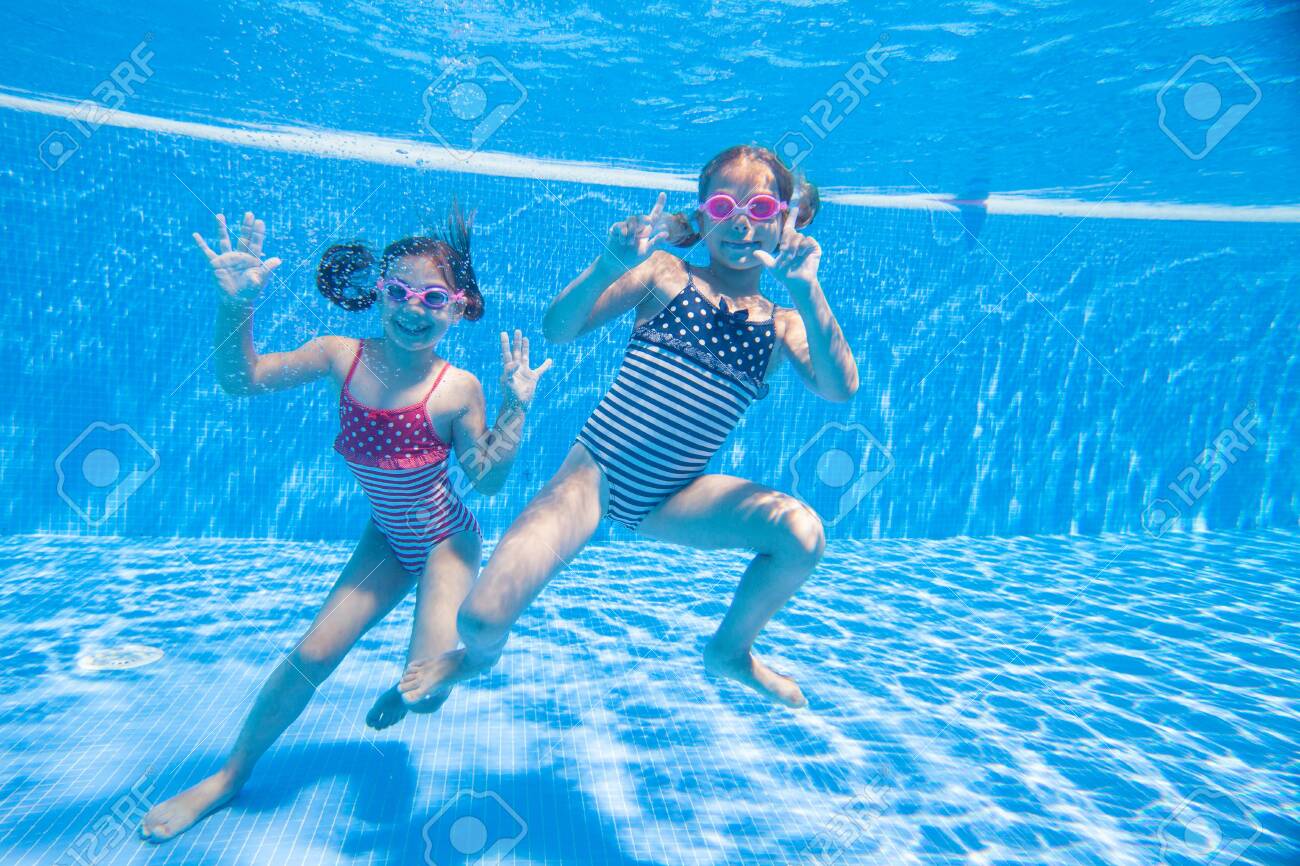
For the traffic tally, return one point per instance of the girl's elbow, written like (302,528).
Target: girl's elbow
(557,332)
(235,387)
(844,393)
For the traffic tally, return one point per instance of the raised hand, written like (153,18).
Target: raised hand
(797,257)
(631,241)
(519,379)
(241,273)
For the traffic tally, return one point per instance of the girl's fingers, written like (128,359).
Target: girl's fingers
(764,258)
(223,236)
(259,235)
(246,233)
(789,236)
(522,354)
(658,209)
(505,348)
(203,245)
(792,214)
(271,264)
(543,367)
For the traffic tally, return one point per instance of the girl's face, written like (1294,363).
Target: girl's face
(731,242)
(410,324)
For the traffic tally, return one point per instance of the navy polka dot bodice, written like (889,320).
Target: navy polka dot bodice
(688,376)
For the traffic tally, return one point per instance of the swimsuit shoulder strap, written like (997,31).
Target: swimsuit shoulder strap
(355,360)
(437,379)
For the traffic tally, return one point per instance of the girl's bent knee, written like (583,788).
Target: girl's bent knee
(801,535)
(479,629)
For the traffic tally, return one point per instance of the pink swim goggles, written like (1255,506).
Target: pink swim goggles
(434,297)
(761,207)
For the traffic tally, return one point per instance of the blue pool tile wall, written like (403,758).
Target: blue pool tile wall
(1051,375)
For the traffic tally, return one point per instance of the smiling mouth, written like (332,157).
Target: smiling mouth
(421,331)
(741,245)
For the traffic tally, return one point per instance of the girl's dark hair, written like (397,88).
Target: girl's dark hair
(344,269)
(809,201)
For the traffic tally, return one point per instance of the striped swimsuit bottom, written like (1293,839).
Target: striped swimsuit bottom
(401,464)
(688,376)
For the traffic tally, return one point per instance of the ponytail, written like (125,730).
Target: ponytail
(342,274)
(336,276)
(682,231)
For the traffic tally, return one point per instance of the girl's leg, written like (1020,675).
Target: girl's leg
(372,582)
(549,532)
(719,511)
(449,572)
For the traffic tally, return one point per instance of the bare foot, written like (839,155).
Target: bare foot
(172,817)
(387,711)
(426,678)
(431,703)
(746,669)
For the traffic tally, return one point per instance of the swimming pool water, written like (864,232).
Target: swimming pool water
(1105,700)
(1057,618)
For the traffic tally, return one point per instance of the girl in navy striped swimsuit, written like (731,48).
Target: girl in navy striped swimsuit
(705,341)
(420,534)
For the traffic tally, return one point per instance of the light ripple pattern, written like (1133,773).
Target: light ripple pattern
(1040,700)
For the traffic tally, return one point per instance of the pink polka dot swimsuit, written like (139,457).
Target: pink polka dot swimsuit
(401,463)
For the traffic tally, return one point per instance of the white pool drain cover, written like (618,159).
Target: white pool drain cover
(118,658)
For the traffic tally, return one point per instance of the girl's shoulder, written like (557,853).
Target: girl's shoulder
(339,352)
(663,275)
(458,385)
(669,271)
(786,321)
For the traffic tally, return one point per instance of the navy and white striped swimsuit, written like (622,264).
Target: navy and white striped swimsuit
(688,375)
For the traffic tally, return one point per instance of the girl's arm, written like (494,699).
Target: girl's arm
(620,279)
(813,340)
(486,456)
(240,370)
(241,274)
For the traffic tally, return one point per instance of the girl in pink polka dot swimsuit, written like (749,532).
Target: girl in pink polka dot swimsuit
(403,410)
